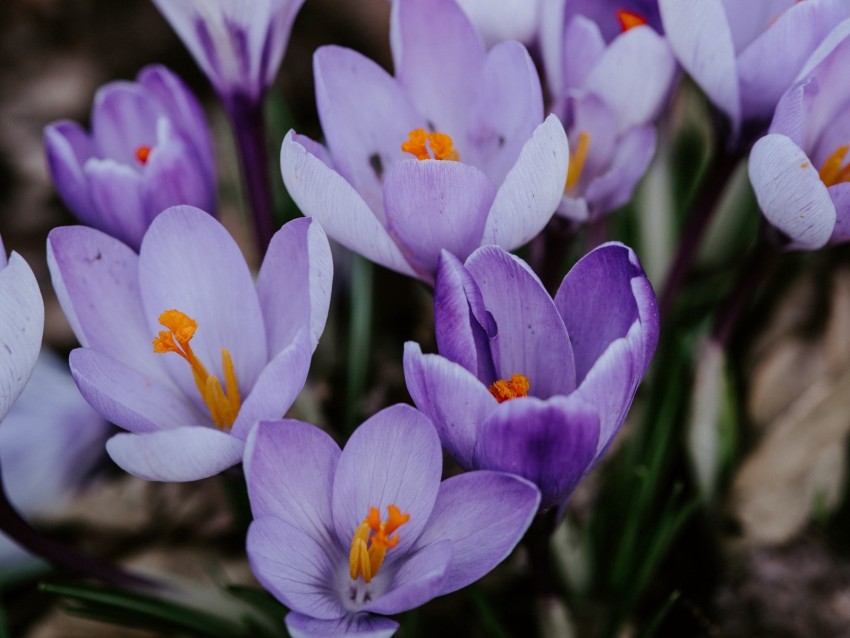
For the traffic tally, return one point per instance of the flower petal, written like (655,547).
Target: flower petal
(117,193)
(631,158)
(186,453)
(416,579)
(360,625)
(583,46)
(123,119)
(840,195)
(67,147)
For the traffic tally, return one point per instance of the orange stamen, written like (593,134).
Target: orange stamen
(831,172)
(143,153)
(630,20)
(517,387)
(372,538)
(578,156)
(442,145)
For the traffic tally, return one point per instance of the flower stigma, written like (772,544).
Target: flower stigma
(372,538)
(142,154)
(577,159)
(504,390)
(630,20)
(831,172)
(442,146)
(223,403)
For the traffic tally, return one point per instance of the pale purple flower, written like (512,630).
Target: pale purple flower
(250,347)
(21,326)
(504,20)
(745,54)
(482,108)
(149,149)
(609,72)
(800,171)
(527,384)
(316,543)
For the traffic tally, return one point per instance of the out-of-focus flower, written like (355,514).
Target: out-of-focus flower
(800,171)
(226,353)
(744,55)
(528,385)
(504,20)
(609,72)
(49,442)
(21,326)
(238,44)
(450,154)
(149,149)
(339,537)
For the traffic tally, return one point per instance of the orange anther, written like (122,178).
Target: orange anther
(578,156)
(831,172)
(418,141)
(630,20)
(371,540)
(517,387)
(143,153)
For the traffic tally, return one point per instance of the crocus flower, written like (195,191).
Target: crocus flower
(49,443)
(450,153)
(610,73)
(21,326)
(342,536)
(800,171)
(226,352)
(149,149)
(504,20)
(527,384)
(744,55)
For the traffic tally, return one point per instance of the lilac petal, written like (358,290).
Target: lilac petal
(321,192)
(275,390)
(456,402)
(532,189)
(631,159)
(365,116)
(123,119)
(394,458)
(506,20)
(597,303)
(647,304)
(21,328)
(790,192)
(700,36)
(297,568)
(360,625)
(434,205)
(499,127)
(531,339)
(117,193)
(552,45)
(417,578)
(294,284)
(583,46)
(68,147)
(840,194)
(289,467)
(96,280)
(484,514)
(550,443)
(189,262)
(438,55)
(186,453)
(591,116)
(130,398)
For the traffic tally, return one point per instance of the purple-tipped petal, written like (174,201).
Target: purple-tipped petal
(416,579)
(68,147)
(456,402)
(531,338)
(359,625)
(123,119)
(484,514)
(631,159)
(434,205)
(394,458)
(186,453)
(790,192)
(551,443)
(294,284)
(532,189)
(117,194)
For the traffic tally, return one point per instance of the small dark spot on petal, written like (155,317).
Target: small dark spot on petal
(377,165)
(431,126)
(501,141)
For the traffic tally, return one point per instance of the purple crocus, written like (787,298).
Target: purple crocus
(149,149)
(342,536)
(448,154)
(504,20)
(744,55)
(21,326)
(527,384)
(610,73)
(800,171)
(226,352)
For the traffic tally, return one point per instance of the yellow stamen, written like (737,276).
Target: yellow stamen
(629,20)
(831,172)
(371,540)
(223,405)
(442,145)
(504,390)
(577,159)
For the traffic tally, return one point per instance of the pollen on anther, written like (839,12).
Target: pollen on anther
(142,154)
(630,20)
(506,390)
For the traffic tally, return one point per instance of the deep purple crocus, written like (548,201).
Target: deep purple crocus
(744,55)
(21,326)
(149,149)
(344,538)
(451,153)
(226,352)
(527,384)
(800,171)
(609,72)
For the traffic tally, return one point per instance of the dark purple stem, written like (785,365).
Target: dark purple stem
(549,252)
(538,541)
(249,129)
